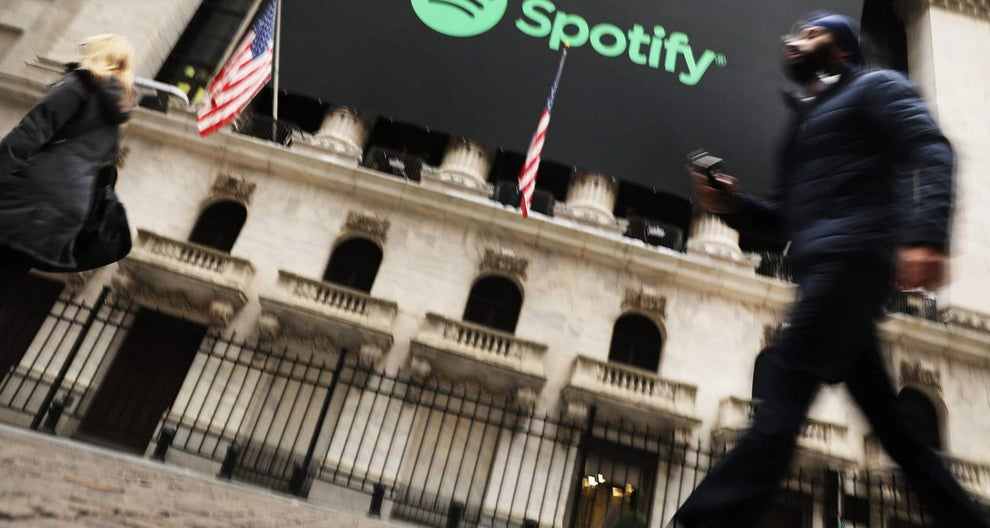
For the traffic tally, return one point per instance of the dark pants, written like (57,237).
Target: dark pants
(832,338)
(13,267)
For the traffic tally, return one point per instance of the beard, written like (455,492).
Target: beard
(809,66)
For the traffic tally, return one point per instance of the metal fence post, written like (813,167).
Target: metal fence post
(582,452)
(377,497)
(70,357)
(297,484)
(55,414)
(830,488)
(230,461)
(165,438)
(454,514)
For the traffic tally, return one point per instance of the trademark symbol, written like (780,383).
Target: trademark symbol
(720,60)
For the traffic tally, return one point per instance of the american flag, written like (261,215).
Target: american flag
(527,176)
(242,77)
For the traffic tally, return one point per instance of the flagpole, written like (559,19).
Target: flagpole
(527,175)
(245,22)
(277,51)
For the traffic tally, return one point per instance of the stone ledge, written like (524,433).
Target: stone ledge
(689,271)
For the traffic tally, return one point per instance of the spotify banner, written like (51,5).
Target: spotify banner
(646,80)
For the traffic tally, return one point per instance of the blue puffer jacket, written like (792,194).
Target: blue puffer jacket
(863,169)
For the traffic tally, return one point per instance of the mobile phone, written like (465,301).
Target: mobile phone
(703,162)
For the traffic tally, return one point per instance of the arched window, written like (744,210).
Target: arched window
(636,341)
(354,264)
(922,415)
(219,224)
(495,302)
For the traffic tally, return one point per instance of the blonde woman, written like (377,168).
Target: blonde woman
(51,161)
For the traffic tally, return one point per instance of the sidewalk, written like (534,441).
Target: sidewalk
(55,482)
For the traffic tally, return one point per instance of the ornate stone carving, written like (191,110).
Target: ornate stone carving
(269,326)
(125,289)
(968,319)
(366,224)
(220,313)
(230,187)
(420,368)
(645,300)
(504,260)
(370,355)
(525,398)
(576,411)
(920,374)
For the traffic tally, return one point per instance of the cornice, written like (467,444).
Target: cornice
(663,266)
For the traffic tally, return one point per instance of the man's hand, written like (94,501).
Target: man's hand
(920,267)
(711,199)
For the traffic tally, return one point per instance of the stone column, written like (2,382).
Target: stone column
(711,236)
(466,165)
(591,196)
(942,40)
(344,133)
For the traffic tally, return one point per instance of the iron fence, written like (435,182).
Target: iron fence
(267,128)
(917,304)
(775,265)
(443,454)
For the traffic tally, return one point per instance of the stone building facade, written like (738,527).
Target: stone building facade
(427,265)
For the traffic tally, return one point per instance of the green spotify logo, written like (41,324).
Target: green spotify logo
(644,45)
(460,18)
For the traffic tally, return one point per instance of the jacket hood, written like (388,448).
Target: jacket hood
(109,93)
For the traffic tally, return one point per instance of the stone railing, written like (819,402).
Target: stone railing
(483,344)
(817,435)
(193,259)
(336,300)
(633,386)
(973,475)
(968,319)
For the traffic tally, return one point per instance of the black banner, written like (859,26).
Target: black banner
(645,82)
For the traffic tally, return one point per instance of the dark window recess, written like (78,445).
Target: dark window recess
(494,302)
(219,225)
(655,233)
(394,162)
(654,217)
(200,49)
(921,414)
(354,264)
(294,111)
(636,341)
(885,41)
(551,178)
(409,141)
(21,315)
(507,192)
(143,381)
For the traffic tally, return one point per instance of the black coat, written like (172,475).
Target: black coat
(49,165)
(863,169)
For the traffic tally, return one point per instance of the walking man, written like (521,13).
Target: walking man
(864,193)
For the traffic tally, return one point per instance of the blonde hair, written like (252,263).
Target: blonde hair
(111,56)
